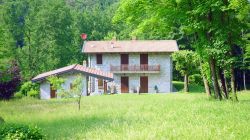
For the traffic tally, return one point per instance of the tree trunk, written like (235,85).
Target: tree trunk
(186,88)
(215,79)
(226,84)
(207,88)
(233,83)
(205,81)
(79,102)
(223,83)
(244,79)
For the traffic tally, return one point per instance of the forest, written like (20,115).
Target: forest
(213,37)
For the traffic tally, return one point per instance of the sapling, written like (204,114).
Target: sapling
(77,89)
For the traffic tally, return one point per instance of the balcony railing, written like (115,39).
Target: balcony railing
(135,68)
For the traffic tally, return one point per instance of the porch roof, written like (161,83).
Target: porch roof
(75,68)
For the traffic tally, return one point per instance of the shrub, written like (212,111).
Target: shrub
(18,95)
(196,79)
(28,89)
(22,132)
(8,86)
(33,93)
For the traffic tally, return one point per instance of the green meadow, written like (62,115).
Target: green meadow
(131,116)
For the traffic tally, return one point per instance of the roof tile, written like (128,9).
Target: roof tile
(130,46)
(75,67)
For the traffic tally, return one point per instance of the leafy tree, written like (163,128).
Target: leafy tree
(6,45)
(77,89)
(56,82)
(186,61)
(213,28)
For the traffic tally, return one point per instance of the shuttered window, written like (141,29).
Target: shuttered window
(98,58)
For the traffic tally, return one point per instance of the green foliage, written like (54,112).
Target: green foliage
(28,89)
(77,89)
(196,79)
(18,95)
(33,93)
(77,86)
(246,57)
(1,120)
(56,82)
(186,61)
(20,132)
(193,87)
(37,33)
(213,29)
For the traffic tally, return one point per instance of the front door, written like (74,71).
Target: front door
(52,92)
(144,61)
(124,85)
(144,84)
(124,62)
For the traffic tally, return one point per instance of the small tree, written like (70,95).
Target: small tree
(77,89)
(186,63)
(56,82)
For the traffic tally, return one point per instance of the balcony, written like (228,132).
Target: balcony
(135,69)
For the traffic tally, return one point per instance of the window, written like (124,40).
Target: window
(98,58)
(100,83)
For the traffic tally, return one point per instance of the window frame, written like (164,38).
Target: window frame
(99,60)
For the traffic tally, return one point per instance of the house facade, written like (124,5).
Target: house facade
(68,74)
(137,66)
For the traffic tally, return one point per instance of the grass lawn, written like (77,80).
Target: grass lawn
(171,116)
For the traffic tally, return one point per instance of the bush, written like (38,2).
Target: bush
(196,79)
(28,89)
(8,86)
(18,95)
(20,132)
(33,93)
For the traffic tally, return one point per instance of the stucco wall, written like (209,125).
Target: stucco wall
(69,78)
(44,90)
(163,79)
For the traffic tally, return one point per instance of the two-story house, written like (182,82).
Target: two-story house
(137,65)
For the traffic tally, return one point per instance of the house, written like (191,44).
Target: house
(143,66)
(69,73)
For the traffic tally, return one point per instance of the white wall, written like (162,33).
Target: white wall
(162,80)
(69,78)
(44,90)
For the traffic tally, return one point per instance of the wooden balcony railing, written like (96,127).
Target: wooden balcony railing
(135,68)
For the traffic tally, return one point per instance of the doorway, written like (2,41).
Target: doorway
(52,92)
(144,84)
(124,85)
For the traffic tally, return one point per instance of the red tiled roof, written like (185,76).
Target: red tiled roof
(75,68)
(130,46)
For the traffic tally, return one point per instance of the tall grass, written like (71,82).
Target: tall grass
(155,116)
